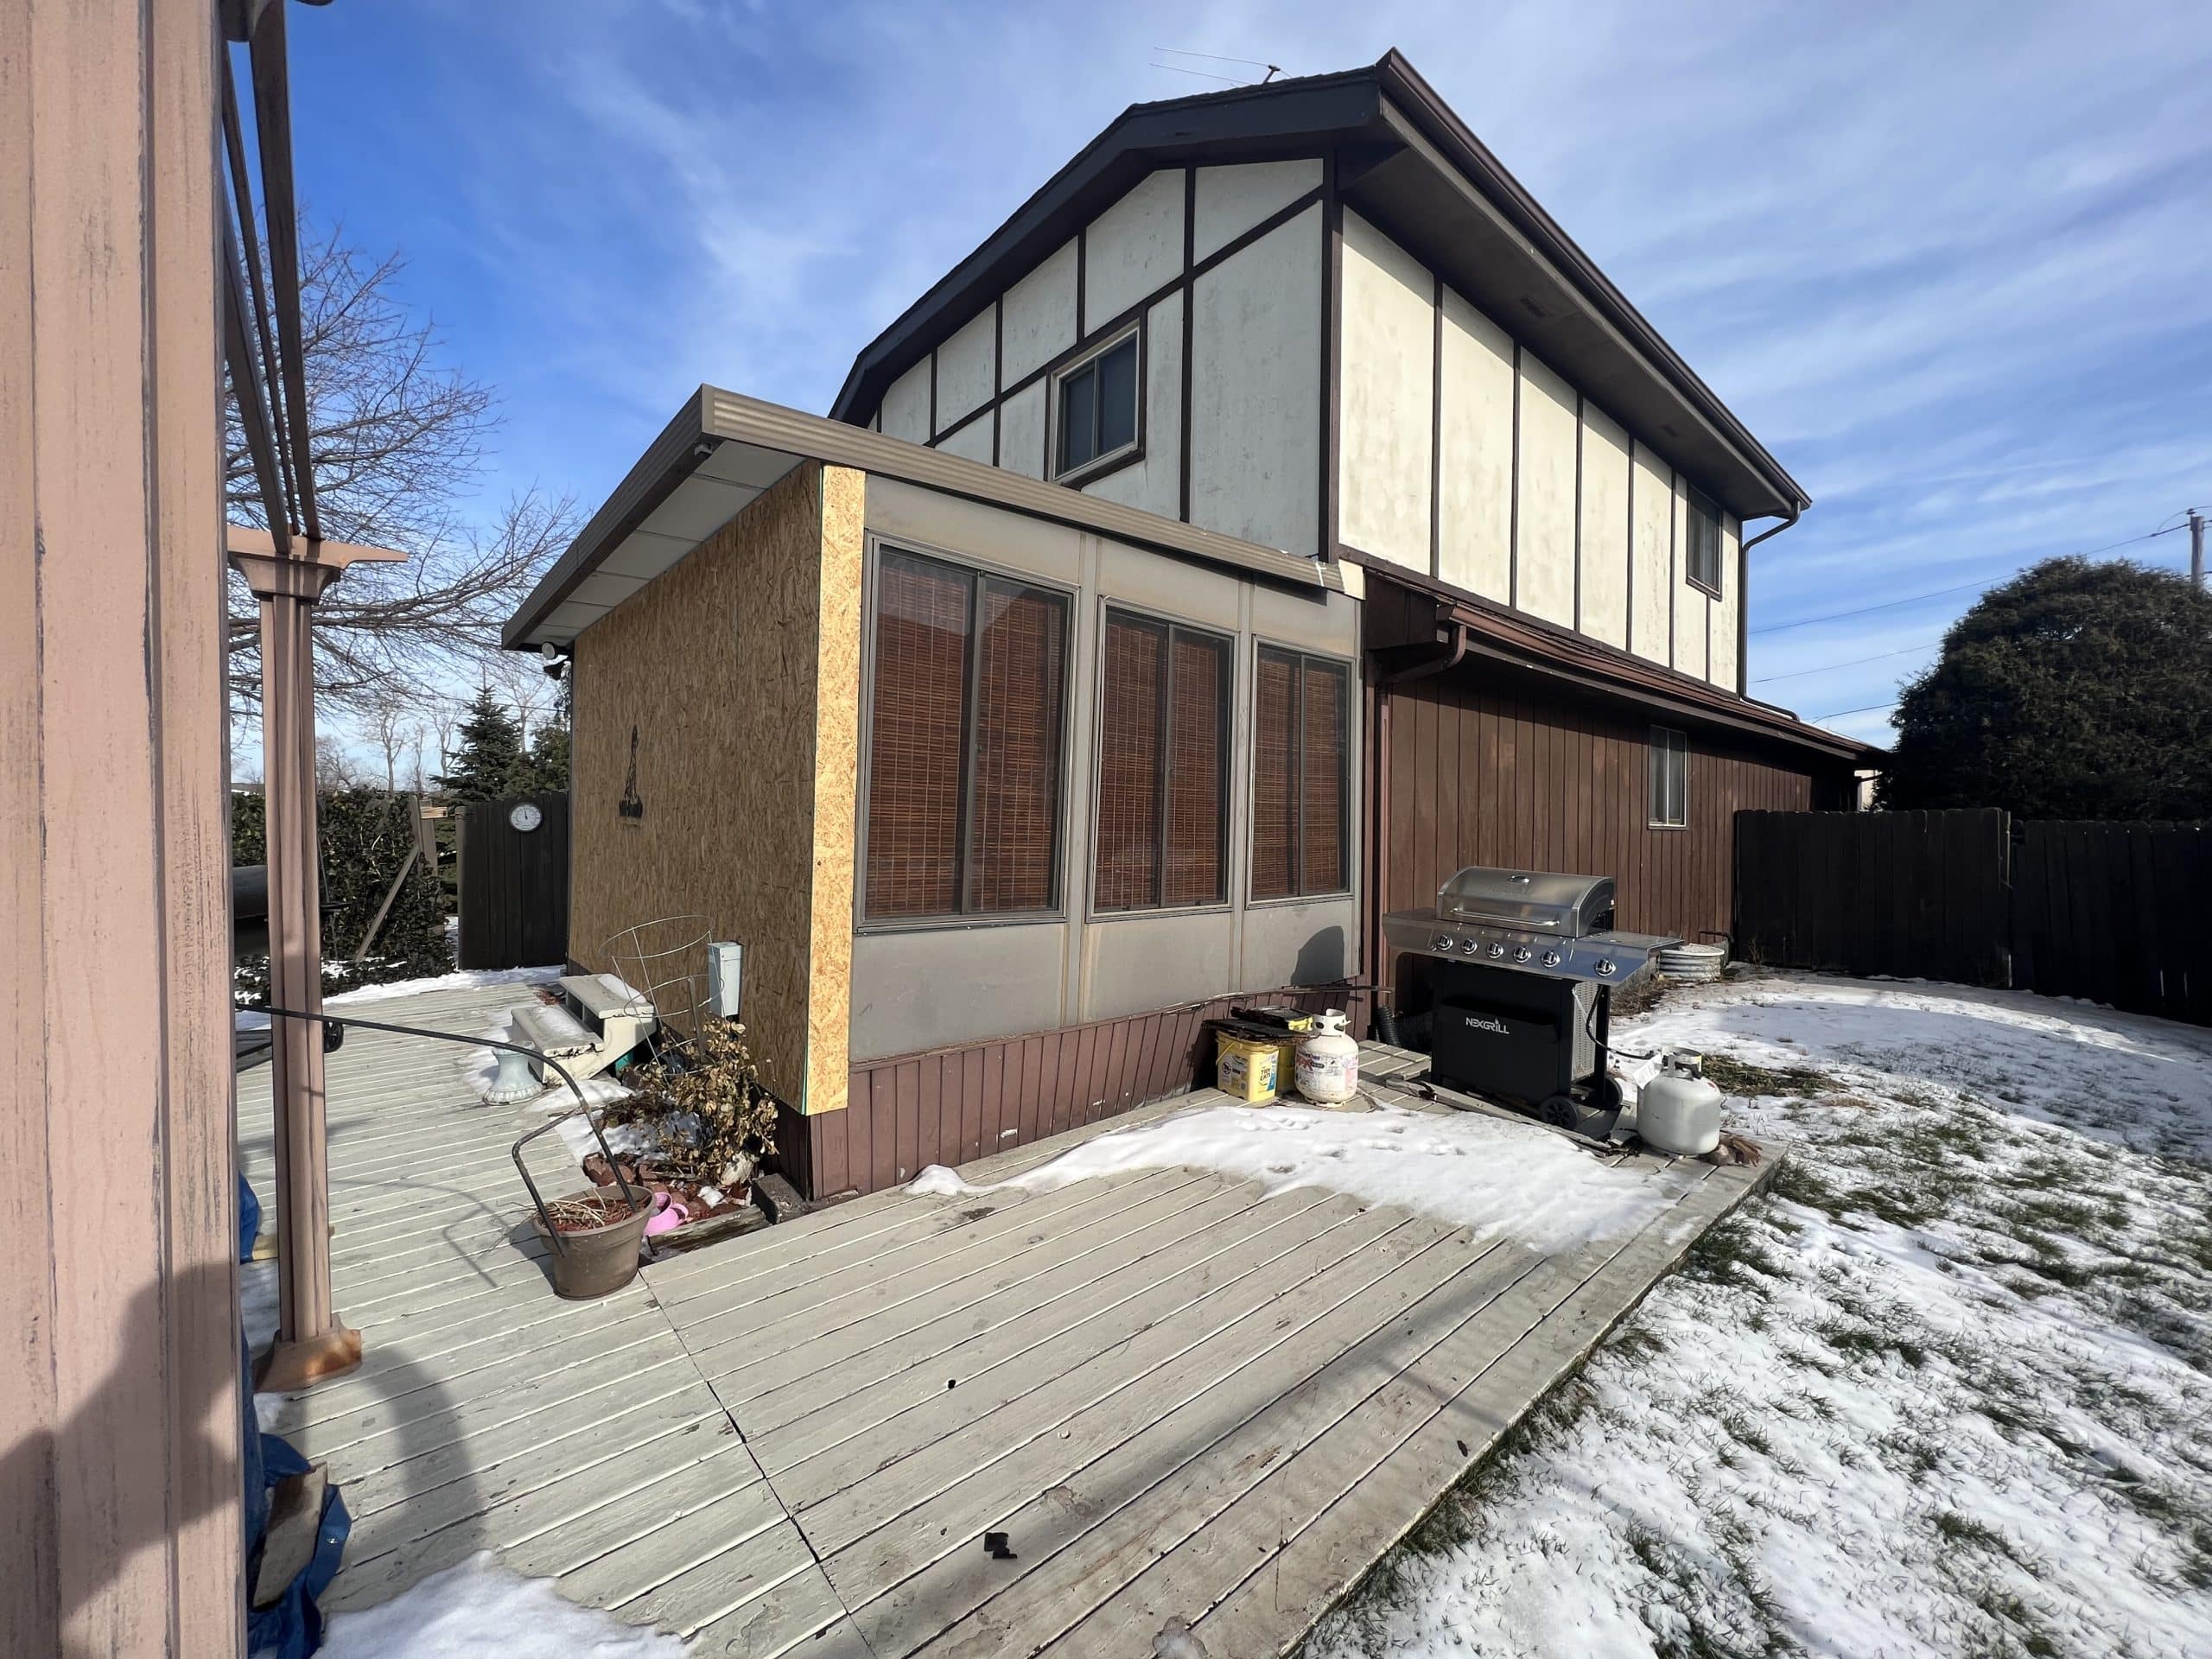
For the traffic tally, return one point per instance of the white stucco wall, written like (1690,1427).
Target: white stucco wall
(1690,602)
(1133,247)
(1722,667)
(906,405)
(1652,488)
(1232,199)
(1154,483)
(1544,515)
(965,366)
(1255,414)
(1039,315)
(1388,365)
(1604,556)
(1021,432)
(972,441)
(1474,540)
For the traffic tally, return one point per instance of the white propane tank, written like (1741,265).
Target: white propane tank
(1678,1111)
(1328,1062)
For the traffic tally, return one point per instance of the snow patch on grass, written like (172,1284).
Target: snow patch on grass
(1489,1174)
(1944,1393)
(480,1608)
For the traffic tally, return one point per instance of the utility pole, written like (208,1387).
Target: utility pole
(2196,549)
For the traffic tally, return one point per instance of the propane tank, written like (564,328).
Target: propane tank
(1678,1111)
(1328,1062)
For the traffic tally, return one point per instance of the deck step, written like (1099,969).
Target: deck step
(594,996)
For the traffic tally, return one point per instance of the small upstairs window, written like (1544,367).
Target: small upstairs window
(1095,402)
(1670,778)
(1701,558)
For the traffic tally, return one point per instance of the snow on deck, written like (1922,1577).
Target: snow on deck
(1202,1396)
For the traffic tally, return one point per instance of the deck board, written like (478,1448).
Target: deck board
(1181,1396)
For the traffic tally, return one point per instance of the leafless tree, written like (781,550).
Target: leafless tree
(335,765)
(395,439)
(393,722)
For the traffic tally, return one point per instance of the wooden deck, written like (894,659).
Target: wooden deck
(1178,1398)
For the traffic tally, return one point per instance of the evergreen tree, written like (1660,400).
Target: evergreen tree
(490,763)
(547,766)
(2076,690)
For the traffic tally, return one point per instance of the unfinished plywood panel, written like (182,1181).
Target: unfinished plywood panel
(1133,248)
(1544,519)
(1474,547)
(1388,388)
(906,405)
(967,367)
(1039,315)
(1232,199)
(1154,483)
(836,785)
(1651,486)
(1256,422)
(1603,527)
(1722,669)
(706,682)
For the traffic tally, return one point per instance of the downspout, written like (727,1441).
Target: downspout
(1744,599)
(1381,862)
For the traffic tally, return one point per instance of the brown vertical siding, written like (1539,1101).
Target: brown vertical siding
(953,1105)
(1487,766)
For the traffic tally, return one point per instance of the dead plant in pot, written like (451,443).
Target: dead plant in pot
(706,1105)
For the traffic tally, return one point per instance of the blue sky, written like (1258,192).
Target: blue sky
(1952,264)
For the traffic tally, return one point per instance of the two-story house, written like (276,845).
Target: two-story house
(1276,513)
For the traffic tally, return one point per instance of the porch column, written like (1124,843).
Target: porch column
(312,1341)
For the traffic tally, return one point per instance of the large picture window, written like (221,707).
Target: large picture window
(966,723)
(1670,778)
(1301,775)
(1701,558)
(1163,766)
(1096,406)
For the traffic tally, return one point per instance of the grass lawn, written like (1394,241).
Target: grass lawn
(1947,1390)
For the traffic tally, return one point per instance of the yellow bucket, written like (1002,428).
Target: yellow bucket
(1246,1068)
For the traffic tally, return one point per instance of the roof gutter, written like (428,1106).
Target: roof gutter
(1744,599)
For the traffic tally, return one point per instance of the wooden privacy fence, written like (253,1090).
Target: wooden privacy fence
(1913,893)
(2109,912)
(2115,912)
(514,883)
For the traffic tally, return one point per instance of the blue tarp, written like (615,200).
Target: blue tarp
(291,1627)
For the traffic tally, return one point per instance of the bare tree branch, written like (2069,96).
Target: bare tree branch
(395,439)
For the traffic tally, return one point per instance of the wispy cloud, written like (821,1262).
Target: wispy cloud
(1947,261)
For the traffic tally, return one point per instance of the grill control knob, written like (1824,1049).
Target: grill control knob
(1474,947)
(1551,958)
(1522,953)
(1497,950)
(1606,968)
(1442,942)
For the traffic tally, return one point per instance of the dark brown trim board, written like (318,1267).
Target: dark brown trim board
(1190,337)
(953,1105)
(1333,343)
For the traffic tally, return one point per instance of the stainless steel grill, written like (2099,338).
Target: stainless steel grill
(1532,922)
(1514,1000)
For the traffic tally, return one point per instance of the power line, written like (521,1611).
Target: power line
(1203,74)
(1871,709)
(1879,655)
(1891,604)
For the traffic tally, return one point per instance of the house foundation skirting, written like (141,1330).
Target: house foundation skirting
(953,1105)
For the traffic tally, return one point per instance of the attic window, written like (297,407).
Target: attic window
(1095,410)
(1701,559)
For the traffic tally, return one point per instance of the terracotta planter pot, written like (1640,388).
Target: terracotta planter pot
(595,1261)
